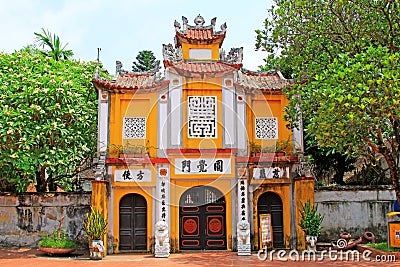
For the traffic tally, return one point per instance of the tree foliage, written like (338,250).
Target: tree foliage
(145,61)
(47,120)
(53,45)
(345,56)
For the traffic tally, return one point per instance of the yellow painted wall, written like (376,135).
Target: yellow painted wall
(202,87)
(178,187)
(137,105)
(283,191)
(304,190)
(214,49)
(267,105)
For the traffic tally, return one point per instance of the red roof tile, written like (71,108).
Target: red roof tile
(200,36)
(131,82)
(262,81)
(189,68)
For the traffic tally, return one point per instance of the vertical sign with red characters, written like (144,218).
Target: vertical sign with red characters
(162,201)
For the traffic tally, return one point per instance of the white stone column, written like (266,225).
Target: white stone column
(162,245)
(298,138)
(102,134)
(229,114)
(175,114)
(162,124)
(241,124)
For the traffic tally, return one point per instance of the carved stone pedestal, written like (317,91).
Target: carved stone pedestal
(243,238)
(162,251)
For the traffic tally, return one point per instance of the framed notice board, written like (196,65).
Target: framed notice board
(265,228)
(394,234)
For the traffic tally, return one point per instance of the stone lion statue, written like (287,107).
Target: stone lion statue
(243,232)
(161,233)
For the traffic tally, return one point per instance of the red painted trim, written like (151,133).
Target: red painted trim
(201,151)
(123,161)
(283,159)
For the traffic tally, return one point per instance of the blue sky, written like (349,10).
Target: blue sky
(122,28)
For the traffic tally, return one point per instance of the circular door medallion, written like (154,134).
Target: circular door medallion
(190,226)
(214,225)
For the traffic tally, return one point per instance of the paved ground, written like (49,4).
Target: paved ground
(35,258)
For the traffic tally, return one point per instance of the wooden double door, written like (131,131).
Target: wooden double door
(271,203)
(202,216)
(133,223)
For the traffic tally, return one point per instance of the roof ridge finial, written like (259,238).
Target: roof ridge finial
(199,21)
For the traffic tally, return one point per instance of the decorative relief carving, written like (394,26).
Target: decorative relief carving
(235,56)
(171,54)
(134,128)
(118,68)
(266,128)
(202,117)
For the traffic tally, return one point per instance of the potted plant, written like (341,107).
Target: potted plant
(281,147)
(255,149)
(95,227)
(311,223)
(129,150)
(57,242)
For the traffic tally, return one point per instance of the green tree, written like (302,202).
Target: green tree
(344,55)
(47,119)
(145,61)
(53,45)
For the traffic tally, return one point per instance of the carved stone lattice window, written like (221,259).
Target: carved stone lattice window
(134,128)
(267,128)
(202,116)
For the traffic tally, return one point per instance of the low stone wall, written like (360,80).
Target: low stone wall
(25,218)
(354,209)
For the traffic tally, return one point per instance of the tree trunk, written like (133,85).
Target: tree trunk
(394,171)
(41,184)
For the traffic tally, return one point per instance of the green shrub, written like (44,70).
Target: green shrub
(310,220)
(57,239)
(382,246)
(95,225)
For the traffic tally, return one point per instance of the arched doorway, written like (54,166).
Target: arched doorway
(271,203)
(202,219)
(133,223)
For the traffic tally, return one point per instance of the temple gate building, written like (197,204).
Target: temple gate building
(196,149)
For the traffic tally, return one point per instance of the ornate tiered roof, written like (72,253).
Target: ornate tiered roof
(231,62)
(130,81)
(198,34)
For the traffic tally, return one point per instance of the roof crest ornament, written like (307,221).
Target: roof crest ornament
(199,21)
(171,54)
(185,23)
(213,21)
(199,24)
(235,56)
(120,72)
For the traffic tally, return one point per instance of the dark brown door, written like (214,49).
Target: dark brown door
(133,223)
(202,219)
(271,203)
